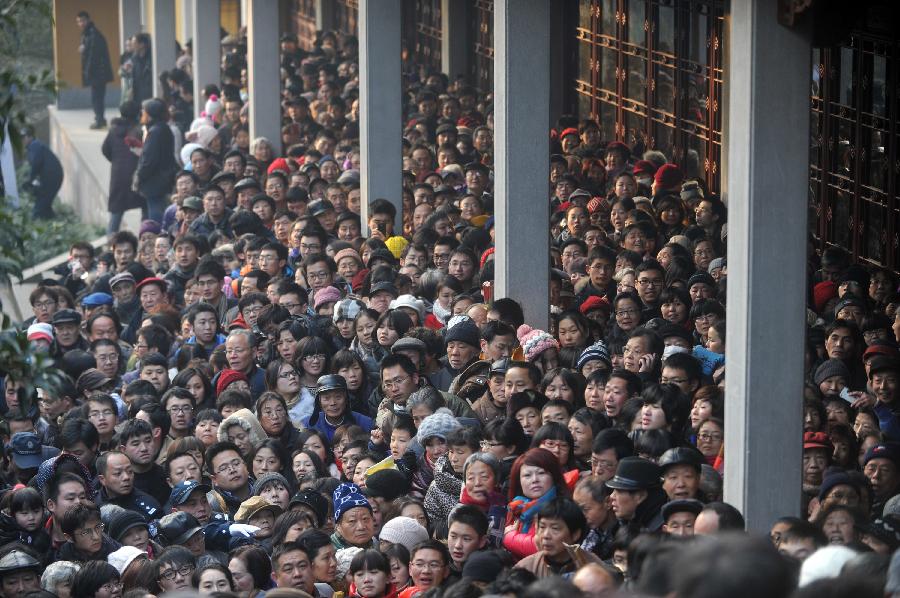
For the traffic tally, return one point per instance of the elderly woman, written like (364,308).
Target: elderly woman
(57,578)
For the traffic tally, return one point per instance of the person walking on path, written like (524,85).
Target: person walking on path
(46,174)
(122,147)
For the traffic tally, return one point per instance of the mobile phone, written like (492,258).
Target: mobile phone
(382,227)
(845,394)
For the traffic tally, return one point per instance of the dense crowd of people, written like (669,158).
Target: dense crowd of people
(258,400)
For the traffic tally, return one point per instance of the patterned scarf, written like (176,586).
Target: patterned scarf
(525,509)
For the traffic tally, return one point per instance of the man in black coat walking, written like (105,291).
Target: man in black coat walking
(96,69)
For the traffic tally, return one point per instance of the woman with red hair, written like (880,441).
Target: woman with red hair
(534,480)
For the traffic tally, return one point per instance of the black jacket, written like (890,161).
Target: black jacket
(141,77)
(96,67)
(156,168)
(118,147)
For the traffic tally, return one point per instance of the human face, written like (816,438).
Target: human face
(628,314)
(678,377)
(552,535)
(107,358)
(428,569)
(709,439)
(838,527)
(303,467)
(139,537)
(293,571)
(357,526)
(560,448)
(884,384)
(371,583)
(700,412)
(535,481)
(583,436)
(140,449)
(238,353)
(103,417)
(353,374)
(459,354)
(649,285)
(20,583)
(181,412)
(318,276)
(559,389)
(704,253)
(123,254)
(365,327)
(119,477)
(516,380)
(228,471)
(883,476)
(397,384)
(552,413)
(399,442)
(103,327)
(334,403)
(625,502)
(324,566)
(186,255)
(569,334)
(653,417)
(156,375)
(681,481)
(680,524)
(840,344)
(529,419)
(314,444)
(197,505)
(458,456)
(273,417)
(462,541)
(67,334)
(243,580)
(596,513)
(614,396)
(265,461)
(29,519)
(213,580)
(480,480)
(435,448)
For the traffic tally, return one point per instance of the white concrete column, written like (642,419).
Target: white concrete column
(207,49)
(454,38)
(768,141)
(381,127)
(522,155)
(263,72)
(324,15)
(187,20)
(163,34)
(129,20)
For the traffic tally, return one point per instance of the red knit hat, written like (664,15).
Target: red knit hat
(594,302)
(279,164)
(644,167)
(226,377)
(668,176)
(569,131)
(484,257)
(823,293)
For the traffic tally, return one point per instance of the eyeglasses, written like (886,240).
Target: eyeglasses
(104,413)
(647,282)
(108,358)
(311,248)
(316,357)
(289,374)
(43,304)
(603,463)
(430,565)
(253,309)
(180,409)
(184,571)
(705,318)
(234,464)
(90,531)
(290,307)
(208,283)
(317,275)
(276,412)
(626,312)
(395,383)
(706,436)
(665,380)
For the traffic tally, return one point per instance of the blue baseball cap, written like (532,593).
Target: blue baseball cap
(183,490)
(97,299)
(26,450)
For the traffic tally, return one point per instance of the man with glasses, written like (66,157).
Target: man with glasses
(116,477)
(44,303)
(650,279)
(319,271)
(399,379)
(175,566)
(601,264)
(429,566)
(249,306)
(210,275)
(179,403)
(85,540)
(229,475)
(273,260)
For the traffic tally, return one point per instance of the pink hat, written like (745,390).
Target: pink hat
(534,341)
(326,295)
(348,252)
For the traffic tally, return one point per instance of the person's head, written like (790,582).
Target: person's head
(399,377)
(610,446)
(79,437)
(81,525)
(251,568)
(226,466)
(96,579)
(174,568)
(58,576)
(534,473)
(429,564)
(559,522)
(63,492)
(115,473)
(467,532)
(291,567)
(370,571)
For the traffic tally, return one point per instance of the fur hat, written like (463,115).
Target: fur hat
(534,341)
(246,420)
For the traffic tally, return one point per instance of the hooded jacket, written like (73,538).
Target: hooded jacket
(247,421)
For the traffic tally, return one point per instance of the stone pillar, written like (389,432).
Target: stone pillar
(207,49)
(187,20)
(324,15)
(263,61)
(522,155)
(381,126)
(129,19)
(454,39)
(767,134)
(163,34)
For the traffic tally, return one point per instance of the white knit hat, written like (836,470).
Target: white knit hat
(344,557)
(121,558)
(403,530)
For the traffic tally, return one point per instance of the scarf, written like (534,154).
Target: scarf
(493,499)
(525,509)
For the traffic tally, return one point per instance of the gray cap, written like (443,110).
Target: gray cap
(16,560)
(408,343)
(192,203)
(123,277)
